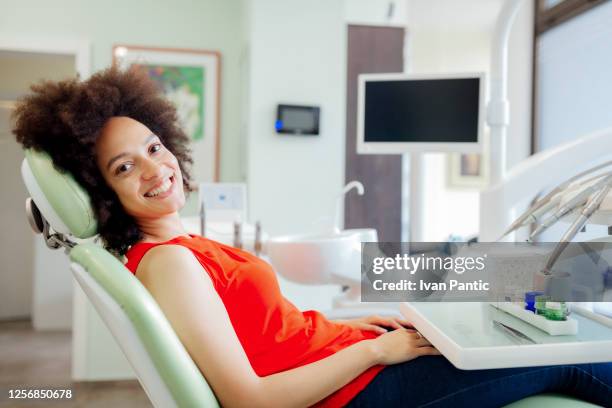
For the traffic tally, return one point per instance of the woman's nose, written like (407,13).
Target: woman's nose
(151,169)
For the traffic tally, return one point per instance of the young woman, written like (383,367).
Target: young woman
(120,139)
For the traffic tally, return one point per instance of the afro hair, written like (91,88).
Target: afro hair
(65,119)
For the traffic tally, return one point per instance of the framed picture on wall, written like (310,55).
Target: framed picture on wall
(190,79)
(468,171)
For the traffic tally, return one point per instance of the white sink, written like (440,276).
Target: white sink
(320,258)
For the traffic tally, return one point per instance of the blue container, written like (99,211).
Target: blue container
(530,300)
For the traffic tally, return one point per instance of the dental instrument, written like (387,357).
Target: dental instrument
(524,217)
(577,201)
(237,234)
(556,216)
(513,333)
(219,206)
(576,226)
(544,204)
(568,327)
(202,219)
(538,214)
(258,244)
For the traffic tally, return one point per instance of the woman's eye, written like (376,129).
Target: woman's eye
(123,168)
(155,148)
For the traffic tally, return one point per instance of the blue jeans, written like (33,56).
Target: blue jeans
(432,381)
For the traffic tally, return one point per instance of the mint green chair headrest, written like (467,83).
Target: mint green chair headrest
(61,200)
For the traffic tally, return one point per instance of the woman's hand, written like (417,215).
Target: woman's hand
(378,324)
(401,345)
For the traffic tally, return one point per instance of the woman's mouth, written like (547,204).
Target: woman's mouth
(164,190)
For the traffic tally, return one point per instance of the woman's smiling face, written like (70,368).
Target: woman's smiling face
(143,173)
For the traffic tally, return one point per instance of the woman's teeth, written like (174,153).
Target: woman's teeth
(161,189)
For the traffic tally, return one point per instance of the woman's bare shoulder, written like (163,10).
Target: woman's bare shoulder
(167,257)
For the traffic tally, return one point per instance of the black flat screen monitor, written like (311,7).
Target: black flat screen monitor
(400,113)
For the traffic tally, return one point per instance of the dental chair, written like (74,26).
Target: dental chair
(60,210)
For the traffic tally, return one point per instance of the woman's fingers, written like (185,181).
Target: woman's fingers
(379,321)
(427,351)
(372,327)
(392,322)
(398,323)
(417,339)
(421,342)
(405,323)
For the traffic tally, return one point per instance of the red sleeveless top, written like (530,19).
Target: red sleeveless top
(275,335)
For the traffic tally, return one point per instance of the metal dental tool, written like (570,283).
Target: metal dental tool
(258,244)
(522,219)
(238,234)
(514,333)
(576,226)
(538,214)
(577,201)
(560,213)
(202,219)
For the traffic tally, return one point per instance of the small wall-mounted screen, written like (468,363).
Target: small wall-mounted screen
(297,120)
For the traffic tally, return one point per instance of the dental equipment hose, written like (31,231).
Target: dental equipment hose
(537,214)
(520,221)
(577,201)
(576,226)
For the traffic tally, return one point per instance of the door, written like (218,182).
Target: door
(24,293)
(372,50)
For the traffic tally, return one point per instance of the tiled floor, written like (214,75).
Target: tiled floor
(31,359)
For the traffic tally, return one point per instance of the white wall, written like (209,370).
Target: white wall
(445,37)
(375,12)
(297,56)
(293,180)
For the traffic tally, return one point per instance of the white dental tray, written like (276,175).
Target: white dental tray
(465,334)
(552,327)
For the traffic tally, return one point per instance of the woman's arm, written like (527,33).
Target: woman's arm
(185,293)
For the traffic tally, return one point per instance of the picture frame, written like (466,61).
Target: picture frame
(469,171)
(190,79)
